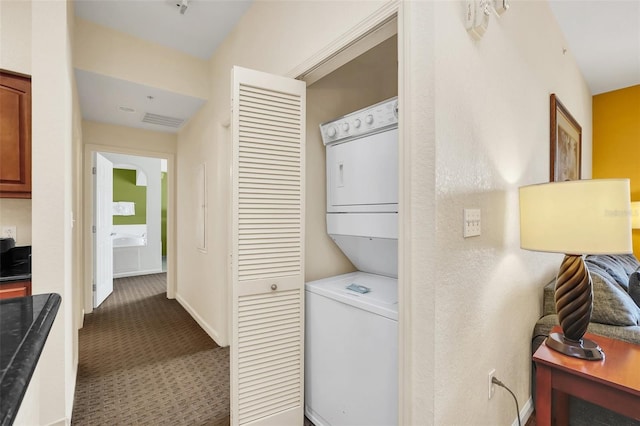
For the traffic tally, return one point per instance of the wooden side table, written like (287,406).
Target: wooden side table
(613,382)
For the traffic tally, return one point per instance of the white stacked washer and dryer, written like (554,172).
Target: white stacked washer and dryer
(351,336)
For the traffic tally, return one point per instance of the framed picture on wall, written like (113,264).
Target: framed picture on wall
(566,143)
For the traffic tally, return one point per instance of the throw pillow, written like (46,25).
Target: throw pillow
(611,303)
(617,267)
(634,286)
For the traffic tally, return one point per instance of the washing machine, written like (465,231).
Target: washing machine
(351,321)
(351,356)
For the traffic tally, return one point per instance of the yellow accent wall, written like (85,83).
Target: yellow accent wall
(616,141)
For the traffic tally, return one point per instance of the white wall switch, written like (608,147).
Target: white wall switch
(9,231)
(471,225)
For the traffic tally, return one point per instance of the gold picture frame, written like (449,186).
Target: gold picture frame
(566,143)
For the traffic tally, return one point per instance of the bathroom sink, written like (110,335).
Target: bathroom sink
(129,241)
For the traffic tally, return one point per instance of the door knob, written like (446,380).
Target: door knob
(274,287)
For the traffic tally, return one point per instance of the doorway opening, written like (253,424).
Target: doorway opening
(131,218)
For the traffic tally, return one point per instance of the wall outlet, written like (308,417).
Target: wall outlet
(492,386)
(9,232)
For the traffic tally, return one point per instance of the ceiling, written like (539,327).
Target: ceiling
(603,36)
(197,32)
(111,100)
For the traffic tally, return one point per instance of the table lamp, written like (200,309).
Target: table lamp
(575,218)
(635,214)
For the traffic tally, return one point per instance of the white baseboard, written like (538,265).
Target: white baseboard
(525,413)
(137,273)
(201,322)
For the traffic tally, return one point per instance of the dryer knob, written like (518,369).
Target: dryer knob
(369,119)
(332,132)
(357,123)
(345,127)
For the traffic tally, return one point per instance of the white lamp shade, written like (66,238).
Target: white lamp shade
(576,217)
(635,214)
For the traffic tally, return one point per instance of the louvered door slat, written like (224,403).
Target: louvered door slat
(272,143)
(276,386)
(278,323)
(267,253)
(258,390)
(268,94)
(268,248)
(267,361)
(258,113)
(275,152)
(271,101)
(256,157)
(269,105)
(284,139)
(284,122)
(267,222)
(269,172)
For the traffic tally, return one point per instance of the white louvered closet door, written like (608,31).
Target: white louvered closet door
(267,349)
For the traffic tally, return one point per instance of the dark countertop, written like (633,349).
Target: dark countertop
(25,323)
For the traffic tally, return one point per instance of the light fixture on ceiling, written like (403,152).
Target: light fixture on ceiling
(183,5)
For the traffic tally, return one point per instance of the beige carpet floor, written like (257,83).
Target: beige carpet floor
(145,361)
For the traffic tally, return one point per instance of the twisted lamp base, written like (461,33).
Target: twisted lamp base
(574,302)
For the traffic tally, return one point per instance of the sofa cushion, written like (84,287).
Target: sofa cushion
(634,286)
(617,266)
(611,303)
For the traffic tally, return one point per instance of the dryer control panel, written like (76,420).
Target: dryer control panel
(362,160)
(372,119)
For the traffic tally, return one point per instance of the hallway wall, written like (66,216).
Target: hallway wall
(616,141)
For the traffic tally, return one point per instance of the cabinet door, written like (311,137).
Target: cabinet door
(15,136)
(19,289)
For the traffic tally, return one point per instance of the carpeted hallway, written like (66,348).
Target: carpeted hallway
(145,361)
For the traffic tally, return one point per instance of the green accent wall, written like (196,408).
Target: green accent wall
(163,220)
(125,189)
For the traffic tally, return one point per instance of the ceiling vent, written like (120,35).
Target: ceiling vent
(162,120)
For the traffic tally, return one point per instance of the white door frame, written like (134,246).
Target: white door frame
(88,215)
(349,45)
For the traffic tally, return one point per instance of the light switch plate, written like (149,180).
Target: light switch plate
(471,225)
(9,231)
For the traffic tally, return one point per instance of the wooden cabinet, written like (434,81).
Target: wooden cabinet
(15,136)
(16,289)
